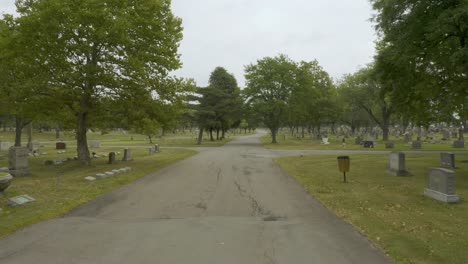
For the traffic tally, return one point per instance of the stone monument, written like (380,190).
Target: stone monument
(60,145)
(441,185)
(95,144)
(111,158)
(18,161)
(447,160)
(127,155)
(5,181)
(156,148)
(397,164)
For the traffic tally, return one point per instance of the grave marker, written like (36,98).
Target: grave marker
(447,160)
(18,161)
(127,155)
(441,185)
(397,164)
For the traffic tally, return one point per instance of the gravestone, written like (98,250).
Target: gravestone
(18,161)
(397,164)
(95,144)
(447,160)
(4,145)
(127,155)
(60,145)
(111,158)
(151,151)
(459,144)
(20,200)
(389,145)
(416,145)
(368,144)
(90,178)
(5,181)
(441,185)
(100,176)
(156,148)
(446,135)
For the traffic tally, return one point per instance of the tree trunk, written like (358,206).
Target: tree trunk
(81,138)
(30,131)
(217,134)
(385,130)
(18,130)
(150,139)
(211,135)
(57,133)
(200,136)
(223,134)
(303,132)
(273,135)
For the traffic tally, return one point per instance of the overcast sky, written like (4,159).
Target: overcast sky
(235,33)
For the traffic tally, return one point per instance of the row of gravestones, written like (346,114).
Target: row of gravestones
(441,181)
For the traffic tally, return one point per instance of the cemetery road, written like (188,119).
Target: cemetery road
(231,204)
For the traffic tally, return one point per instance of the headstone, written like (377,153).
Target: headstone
(5,181)
(156,148)
(325,141)
(441,185)
(90,178)
(18,161)
(111,158)
(416,145)
(60,145)
(20,200)
(95,144)
(109,173)
(127,155)
(100,176)
(447,160)
(397,164)
(368,144)
(4,145)
(446,135)
(151,151)
(116,171)
(389,145)
(459,144)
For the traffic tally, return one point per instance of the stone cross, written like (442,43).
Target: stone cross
(441,185)
(397,164)
(18,161)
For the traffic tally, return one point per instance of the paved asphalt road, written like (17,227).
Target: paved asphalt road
(225,205)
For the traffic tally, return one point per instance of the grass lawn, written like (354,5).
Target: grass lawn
(291,143)
(392,211)
(53,200)
(47,139)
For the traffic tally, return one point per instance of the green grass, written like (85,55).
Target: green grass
(392,211)
(292,143)
(47,139)
(53,200)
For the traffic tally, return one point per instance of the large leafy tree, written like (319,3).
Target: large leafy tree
(97,49)
(425,54)
(271,81)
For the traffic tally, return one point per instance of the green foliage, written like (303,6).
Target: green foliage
(428,63)
(99,53)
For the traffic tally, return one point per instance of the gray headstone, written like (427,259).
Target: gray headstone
(95,144)
(90,178)
(441,185)
(156,148)
(109,173)
(446,135)
(416,145)
(111,158)
(408,138)
(101,176)
(447,160)
(18,161)
(389,145)
(20,200)
(127,155)
(397,164)
(459,144)
(151,151)
(4,145)
(5,181)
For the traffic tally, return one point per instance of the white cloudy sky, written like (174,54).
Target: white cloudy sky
(234,33)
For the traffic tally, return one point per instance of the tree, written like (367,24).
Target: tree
(270,83)
(96,49)
(429,62)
